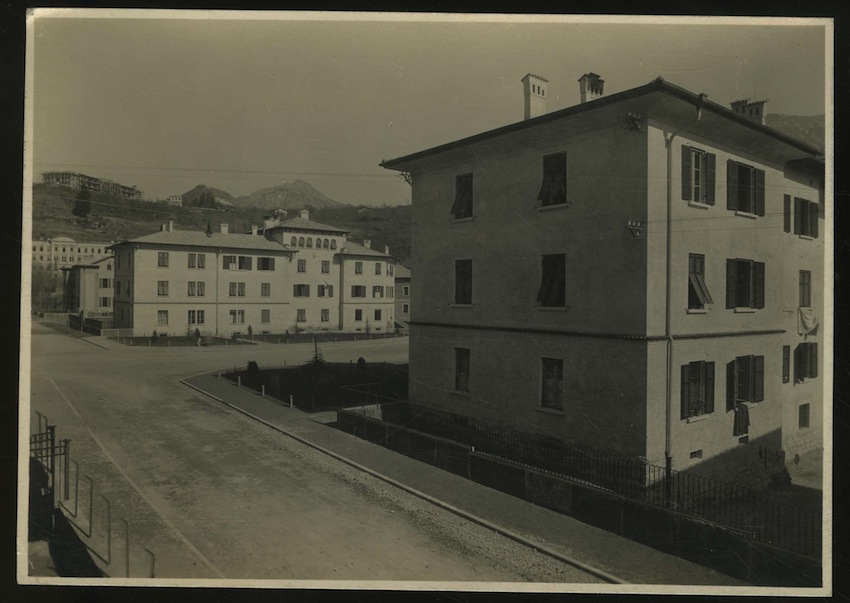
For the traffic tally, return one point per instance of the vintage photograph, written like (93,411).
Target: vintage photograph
(329,300)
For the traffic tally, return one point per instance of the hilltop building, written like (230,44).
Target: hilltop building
(642,274)
(76,181)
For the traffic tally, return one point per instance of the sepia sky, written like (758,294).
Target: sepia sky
(240,104)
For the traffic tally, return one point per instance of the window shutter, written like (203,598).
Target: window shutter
(813,360)
(731,184)
(710,170)
(798,215)
(758,378)
(786,363)
(731,386)
(759,205)
(709,386)
(787,213)
(813,207)
(798,364)
(686,173)
(758,281)
(731,282)
(685,391)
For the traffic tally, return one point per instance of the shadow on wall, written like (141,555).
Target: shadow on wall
(758,462)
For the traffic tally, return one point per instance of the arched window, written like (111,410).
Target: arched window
(294,242)
(333,243)
(301,241)
(310,242)
(326,244)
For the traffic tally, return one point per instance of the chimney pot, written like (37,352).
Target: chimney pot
(305,214)
(591,86)
(754,111)
(534,92)
(253,229)
(171,226)
(367,243)
(224,228)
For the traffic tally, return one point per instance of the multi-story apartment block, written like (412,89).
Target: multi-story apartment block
(290,276)
(642,273)
(88,287)
(402,295)
(63,252)
(76,181)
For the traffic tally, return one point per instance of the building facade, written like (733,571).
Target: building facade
(63,252)
(88,288)
(402,296)
(76,181)
(635,274)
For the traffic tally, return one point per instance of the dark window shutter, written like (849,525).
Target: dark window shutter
(787,213)
(731,184)
(709,386)
(786,363)
(798,215)
(686,173)
(710,170)
(758,282)
(813,360)
(813,207)
(758,378)
(731,283)
(759,205)
(685,391)
(798,363)
(730,386)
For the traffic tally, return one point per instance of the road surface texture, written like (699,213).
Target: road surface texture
(215,494)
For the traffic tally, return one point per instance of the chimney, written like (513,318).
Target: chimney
(754,111)
(304,214)
(387,249)
(171,226)
(163,227)
(534,90)
(224,228)
(367,243)
(590,86)
(253,229)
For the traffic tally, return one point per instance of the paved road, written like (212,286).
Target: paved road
(214,494)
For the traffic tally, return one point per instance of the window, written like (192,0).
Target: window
(405,308)
(162,317)
(191,289)
(265,316)
(698,169)
(805,362)
(228,262)
(358,267)
(377,268)
(406,291)
(805,217)
(358,291)
(377,291)
(162,259)
(698,295)
(786,363)
(744,188)
(265,263)
(326,315)
(301,316)
(333,243)
(805,289)
(196,317)
(463,282)
(552,291)
(390,269)
(462,207)
(202,260)
(461,369)
(552,390)
(744,380)
(193,260)
(105,302)
(237,317)
(293,242)
(245,262)
(302,265)
(309,242)
(202,286)
(301,291)
(697,389)
(301,241)
(390,291)
(109,267)
(803,415)
(744,284)
(162,288)
(553,190)
(231,290)
(358,315)
(104,283)
(265,289)
(377,314)
(326,266)
(325,291)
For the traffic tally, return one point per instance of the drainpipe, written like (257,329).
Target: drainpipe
(217,268)
(668,410)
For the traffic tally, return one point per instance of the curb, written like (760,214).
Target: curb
(603,575)
(87,340)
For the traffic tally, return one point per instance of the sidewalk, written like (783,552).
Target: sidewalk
(611,557)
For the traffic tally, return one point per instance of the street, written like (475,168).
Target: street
(214,494)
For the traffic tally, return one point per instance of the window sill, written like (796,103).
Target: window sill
(467,219)
(745,310)
(550,411)
(699,205)
(552,308)
(461,306)
(697,418)
(551,207)
(806,237)
(460,393)
(746,214)
(696,311)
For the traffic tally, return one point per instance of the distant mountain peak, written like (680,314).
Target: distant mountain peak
(287,195)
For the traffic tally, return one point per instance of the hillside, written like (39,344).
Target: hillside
(192,197)
(810,129)
(289,195)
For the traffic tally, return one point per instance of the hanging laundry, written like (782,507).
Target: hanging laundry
(741,425)
(807,320)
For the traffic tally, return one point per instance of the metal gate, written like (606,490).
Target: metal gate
(54,456)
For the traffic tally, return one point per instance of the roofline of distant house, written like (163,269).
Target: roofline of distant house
(210,246)
(658,84)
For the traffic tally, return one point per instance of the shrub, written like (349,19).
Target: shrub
(253,368)
(361,363)
(197,333)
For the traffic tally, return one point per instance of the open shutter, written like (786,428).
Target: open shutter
(813,220)
(759,205)
(758,284)
(686,173)
(798,215)
(731,184)
(787,224)
(710,170)
(708,379)
(786,363)
(758,378)
(798,363)
(685,404)
(731,386)
(813,360)
(731,283)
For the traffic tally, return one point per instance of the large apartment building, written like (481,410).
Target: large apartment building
(76,181)
(291,276)
(642,274)
(57,253)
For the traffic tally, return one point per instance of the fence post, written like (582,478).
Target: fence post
(290,400)
(108,530)
(66,479)
(238,380)
(263,389)
(51,429)
(126,547)
(153,562)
